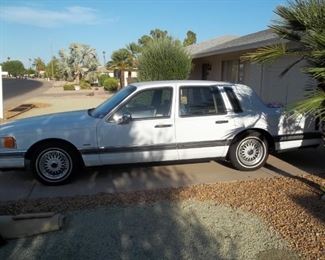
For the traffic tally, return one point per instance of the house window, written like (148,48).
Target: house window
(232,71)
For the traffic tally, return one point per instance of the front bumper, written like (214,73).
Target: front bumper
(12,160)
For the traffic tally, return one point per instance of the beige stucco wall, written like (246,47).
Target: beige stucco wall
(264,79)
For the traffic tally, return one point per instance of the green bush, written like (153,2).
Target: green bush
(111,84)
(164,59)
(102,78)
(68,87)
(84,84)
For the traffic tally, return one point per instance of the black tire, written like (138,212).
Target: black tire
(54,164)
(249,152)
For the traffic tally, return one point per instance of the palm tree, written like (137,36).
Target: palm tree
(302,24)
(39,65)
(122,61)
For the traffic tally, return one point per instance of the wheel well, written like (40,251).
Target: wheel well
(56,141)
(267,135)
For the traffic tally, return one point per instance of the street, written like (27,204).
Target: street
(17,90)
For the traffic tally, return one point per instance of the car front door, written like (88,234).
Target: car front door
(203,128)
(141,130)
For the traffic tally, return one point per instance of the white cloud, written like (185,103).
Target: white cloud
(49,18)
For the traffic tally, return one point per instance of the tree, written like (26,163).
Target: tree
(39,65)
(164,59)
(154,34)
(122,61)
(79,61)
(302,23)
(134,50)
(52,69)
(30,71)
(13,67)
(190,38)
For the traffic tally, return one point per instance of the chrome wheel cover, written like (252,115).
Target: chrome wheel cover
(54,164)
(251,152)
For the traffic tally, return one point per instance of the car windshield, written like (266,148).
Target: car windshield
(103,109)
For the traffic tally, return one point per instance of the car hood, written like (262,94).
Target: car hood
(58,121)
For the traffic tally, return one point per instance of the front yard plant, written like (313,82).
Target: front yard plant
(164,59)
(111,84)
(68,87)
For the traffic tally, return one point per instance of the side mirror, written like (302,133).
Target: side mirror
(123,119)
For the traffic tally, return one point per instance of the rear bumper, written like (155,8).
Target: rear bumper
(12,160)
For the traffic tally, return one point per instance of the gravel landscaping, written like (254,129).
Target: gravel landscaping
(290,207)
(161,230)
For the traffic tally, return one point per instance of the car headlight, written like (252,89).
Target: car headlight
(8,142)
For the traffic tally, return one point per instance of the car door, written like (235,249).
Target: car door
(203,127)
(149,135)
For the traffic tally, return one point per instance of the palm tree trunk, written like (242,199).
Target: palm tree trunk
(121,78)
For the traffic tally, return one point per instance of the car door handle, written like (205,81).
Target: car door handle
(162,126)
(222,122)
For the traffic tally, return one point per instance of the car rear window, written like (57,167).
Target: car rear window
(233,100)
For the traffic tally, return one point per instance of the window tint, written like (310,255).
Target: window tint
(200,101)
(103,109)
(150,103)
(233,100)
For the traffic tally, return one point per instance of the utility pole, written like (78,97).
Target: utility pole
(52,65)
(1,95)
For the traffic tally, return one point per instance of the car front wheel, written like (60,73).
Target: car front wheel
(54,164)
(249,152)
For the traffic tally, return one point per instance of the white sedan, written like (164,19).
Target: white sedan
(155,121)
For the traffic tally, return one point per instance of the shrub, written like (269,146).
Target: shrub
(102,78)
(164,59)
(68,87)
(111,84)
(84,84)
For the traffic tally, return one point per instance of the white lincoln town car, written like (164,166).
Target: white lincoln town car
(155,121)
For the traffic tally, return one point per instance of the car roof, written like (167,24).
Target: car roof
(165,83)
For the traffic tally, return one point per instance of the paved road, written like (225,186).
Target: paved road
(15,185)
(16,91)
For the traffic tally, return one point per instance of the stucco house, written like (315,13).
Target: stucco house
(220,59)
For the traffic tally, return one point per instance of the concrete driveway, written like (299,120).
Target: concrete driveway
(15,185)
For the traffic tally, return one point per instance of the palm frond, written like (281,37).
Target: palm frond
(316,72)
(266,54)
(313,105)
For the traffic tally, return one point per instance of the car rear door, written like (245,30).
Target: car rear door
(203,127)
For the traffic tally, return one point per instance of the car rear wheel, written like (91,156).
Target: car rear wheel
(54,164)
(249,152)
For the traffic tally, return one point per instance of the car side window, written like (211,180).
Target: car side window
(151,103)
(200,101)
(233,100)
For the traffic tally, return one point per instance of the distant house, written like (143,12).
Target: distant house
(219,59)
(129,76)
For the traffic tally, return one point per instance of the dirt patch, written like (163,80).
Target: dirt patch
(290,206)
(23,108)
(41,105)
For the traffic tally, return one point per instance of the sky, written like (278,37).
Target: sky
(30,29)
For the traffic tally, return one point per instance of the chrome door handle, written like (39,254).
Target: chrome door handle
(162,126)
(222,122)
